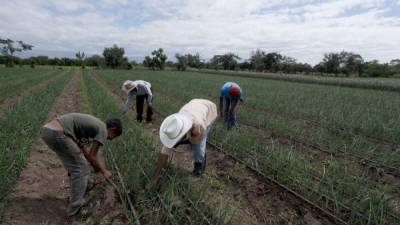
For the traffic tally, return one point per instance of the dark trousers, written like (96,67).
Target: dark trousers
(139,109)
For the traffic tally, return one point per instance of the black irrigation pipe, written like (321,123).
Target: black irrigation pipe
(126,193)
(336,129)
(298,195)
(326,212)
(347,208)
(387,169)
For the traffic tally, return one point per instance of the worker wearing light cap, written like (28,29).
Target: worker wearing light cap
(231,93)
(189,126)
(142,90)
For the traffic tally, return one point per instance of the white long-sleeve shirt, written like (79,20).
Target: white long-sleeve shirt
(142,88)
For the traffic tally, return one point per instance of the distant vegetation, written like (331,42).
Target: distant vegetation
(337,64)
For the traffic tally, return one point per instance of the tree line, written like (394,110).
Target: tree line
(333,64)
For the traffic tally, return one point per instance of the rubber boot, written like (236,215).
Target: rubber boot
(203,166)
(198,169)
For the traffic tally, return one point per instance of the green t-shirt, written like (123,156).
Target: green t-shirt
(83,128)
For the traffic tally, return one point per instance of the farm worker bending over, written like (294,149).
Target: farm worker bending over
(189,126)
(66,136)
(142,89)
(231,93)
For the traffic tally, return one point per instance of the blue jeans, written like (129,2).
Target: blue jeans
(75,163)
(199,150)
(229,120)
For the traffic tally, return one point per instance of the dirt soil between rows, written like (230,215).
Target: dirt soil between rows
(41,194)
(260,202)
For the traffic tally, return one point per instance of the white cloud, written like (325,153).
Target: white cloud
(304,29)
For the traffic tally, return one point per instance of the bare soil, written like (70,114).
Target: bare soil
(259,202)
(41,193)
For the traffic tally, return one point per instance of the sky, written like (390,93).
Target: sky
(303,29)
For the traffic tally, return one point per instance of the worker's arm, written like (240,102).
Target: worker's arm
(220,106)
(129,100)
(233,106)
(91,156)
(149,96)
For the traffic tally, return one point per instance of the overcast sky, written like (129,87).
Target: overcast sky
(304,29)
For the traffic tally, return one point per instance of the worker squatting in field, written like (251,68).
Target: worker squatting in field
(66,136)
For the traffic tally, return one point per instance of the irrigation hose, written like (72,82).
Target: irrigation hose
(126,196)
(326,212)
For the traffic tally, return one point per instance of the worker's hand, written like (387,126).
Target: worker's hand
(107,174)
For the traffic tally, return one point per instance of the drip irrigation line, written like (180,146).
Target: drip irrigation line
(335,129)
(126,194)
(387,169)
(333,216)
(326,212)
(324,196)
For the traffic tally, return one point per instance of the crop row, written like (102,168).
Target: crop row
(369,112)
(359,147)
(177,200)
(285,162)
(19,129)
(383,84)
(343,143)
(12,87)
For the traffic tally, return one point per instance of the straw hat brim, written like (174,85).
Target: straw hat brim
(187,125)
(132,85)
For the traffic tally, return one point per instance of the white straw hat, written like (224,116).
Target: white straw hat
(128,86)
(174,127)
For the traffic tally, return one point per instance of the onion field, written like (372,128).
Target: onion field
(330,150)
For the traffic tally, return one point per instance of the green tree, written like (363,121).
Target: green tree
(193,60)
(158,59)
(246,65)
(182,62)
(332,62)
(80,56)
(351,63)
(148,62)
(95,61)
(257,60)
(272,61)
(114,56)
(228,61)
(9,47)
(375,69)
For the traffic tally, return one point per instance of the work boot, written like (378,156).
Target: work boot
(83,213)
(203,168)
(198,169)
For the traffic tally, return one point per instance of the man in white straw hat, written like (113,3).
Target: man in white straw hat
(143,91)
(189,126)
